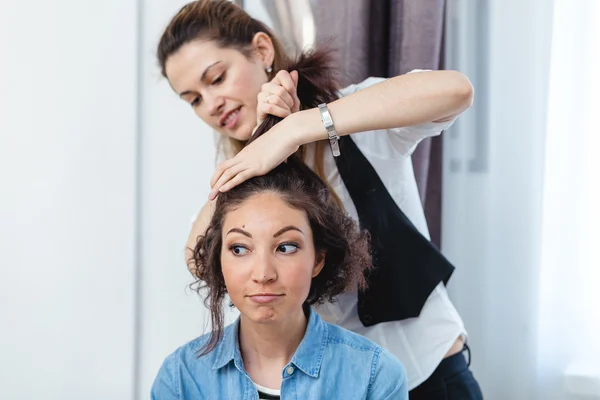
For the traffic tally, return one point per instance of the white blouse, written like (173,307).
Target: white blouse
(420,343)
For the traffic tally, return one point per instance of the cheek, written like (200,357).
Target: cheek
(300,278)
(233,275)
(203,116)
(249,85)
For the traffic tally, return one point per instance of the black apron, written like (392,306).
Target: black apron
(407,265)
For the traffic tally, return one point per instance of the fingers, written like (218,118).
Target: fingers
(278,97)
(236,180)
(294,76)
(220,169)
(230,177)
(286,80)
(273,93)
(271,109)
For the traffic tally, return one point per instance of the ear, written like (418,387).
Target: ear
(263,46)
(319,264)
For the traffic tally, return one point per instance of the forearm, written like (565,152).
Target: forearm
(404,100)
(198,228)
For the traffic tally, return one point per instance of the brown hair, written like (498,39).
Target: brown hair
(335,234)
(229,26)
(223,22)
(346,247)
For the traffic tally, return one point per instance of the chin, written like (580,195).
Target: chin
(242,135)
(239,135)
(262,316)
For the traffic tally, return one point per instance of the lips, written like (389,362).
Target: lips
(229,119)
(264,298)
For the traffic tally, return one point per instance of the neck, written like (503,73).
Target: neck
(271,346)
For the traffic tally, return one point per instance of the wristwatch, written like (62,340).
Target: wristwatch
(331,132)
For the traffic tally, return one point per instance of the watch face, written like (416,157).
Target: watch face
(325,116)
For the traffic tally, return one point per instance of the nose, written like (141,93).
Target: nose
(263,269)
(215,103)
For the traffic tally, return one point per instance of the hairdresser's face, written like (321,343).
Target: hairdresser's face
(268,259)
(220,84)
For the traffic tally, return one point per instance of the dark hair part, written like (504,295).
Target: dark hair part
(335,234)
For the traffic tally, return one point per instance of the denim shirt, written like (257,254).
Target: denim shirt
(330,363)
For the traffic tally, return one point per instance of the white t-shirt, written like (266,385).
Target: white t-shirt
(265,393)
(420,343)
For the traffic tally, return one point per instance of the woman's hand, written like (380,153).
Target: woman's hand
(257,158)
(278,97)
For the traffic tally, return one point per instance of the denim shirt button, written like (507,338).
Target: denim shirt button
(289,370)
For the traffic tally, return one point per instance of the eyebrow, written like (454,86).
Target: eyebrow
(238,230)
(278,233)
(202,77)
(287,228)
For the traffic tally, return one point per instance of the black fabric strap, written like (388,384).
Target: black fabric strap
(407,265)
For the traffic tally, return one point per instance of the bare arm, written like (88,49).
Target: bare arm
(198,228)
(404,100)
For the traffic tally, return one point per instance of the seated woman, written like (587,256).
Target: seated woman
(277,244)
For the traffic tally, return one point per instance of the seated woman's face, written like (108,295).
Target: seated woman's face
(268,258)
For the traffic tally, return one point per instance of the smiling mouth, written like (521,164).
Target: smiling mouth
(231,119)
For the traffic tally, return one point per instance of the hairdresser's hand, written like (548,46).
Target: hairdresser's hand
(257,158)
(278,97)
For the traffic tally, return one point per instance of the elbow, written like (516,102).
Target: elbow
(462,91)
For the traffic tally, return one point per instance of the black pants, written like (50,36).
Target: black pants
(452,380)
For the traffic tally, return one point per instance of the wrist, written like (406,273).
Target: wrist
(306,126)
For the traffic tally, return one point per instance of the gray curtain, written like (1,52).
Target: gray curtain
(386,38)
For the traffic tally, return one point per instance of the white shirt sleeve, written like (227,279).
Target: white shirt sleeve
(402,140)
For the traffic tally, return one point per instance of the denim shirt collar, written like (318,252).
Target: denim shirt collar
(308,356)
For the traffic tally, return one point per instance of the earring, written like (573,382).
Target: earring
(269,69)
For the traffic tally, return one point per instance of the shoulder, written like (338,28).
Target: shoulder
(388,378)
(387,374)
(338,336)
(188,355)
(390,365)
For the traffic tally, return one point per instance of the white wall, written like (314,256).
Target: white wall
(178,159)
(67,173)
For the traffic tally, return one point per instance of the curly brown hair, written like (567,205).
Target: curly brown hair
(346,247)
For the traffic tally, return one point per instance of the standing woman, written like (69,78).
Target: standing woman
(232,71)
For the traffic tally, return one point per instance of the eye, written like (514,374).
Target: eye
(196,101)
(238,249)
(288,248)
(218,79)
